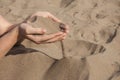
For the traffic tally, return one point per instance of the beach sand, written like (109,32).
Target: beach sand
(90,52)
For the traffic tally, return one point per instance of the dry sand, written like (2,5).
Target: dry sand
(91,50)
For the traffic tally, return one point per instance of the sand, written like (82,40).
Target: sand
(91,50)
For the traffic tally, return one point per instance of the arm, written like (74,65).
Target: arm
(40,39)
(14,34)
(5,27)
(8,41)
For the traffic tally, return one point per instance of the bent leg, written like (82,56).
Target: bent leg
(24,66)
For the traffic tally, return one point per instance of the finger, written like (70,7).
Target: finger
(37,31)
(58,38)
(31,19)
(47,37)
(31,30)
(32,38)
(45,15)
(41,38)
(53,18)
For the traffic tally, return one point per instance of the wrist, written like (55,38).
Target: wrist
(21,35)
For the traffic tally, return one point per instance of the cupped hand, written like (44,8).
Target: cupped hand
(44,14)
(38,36)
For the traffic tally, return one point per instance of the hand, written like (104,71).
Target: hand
(34,16)
(38,36)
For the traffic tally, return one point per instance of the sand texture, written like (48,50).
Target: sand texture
(90,52)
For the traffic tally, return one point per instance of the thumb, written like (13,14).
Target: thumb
(36,31)
(30,30)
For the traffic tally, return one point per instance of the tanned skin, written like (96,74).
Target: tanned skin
(11,34)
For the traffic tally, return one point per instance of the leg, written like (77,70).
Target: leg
(26,66)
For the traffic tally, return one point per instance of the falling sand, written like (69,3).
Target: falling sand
(91,50)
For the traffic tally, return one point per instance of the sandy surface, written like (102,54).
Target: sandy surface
(91,50)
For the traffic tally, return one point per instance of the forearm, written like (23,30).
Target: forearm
(4,25)
(8,41)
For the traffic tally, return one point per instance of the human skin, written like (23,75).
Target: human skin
(13,34)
